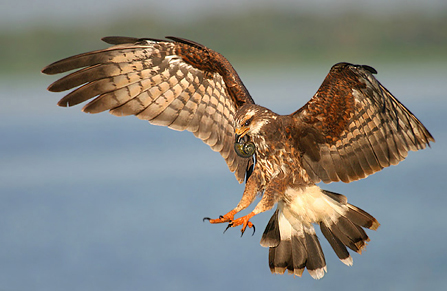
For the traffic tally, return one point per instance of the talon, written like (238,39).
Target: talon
(250,225)
(244,221)
(206,218)
(228,226)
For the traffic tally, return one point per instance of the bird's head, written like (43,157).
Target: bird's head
(249,122)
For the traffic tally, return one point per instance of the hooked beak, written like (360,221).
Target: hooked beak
(240,133)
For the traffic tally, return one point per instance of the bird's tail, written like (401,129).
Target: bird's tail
(290,235)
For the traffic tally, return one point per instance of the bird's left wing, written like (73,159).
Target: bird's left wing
(353,127)
(180,84)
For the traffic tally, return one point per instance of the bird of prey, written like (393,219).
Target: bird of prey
(351,128)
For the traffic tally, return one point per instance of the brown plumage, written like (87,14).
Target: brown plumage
(351,128)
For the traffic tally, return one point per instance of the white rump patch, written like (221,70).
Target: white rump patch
(310,205)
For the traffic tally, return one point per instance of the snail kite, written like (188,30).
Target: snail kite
(351,128)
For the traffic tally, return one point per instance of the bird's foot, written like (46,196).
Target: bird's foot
(229,217)
(223,218)
(244,221)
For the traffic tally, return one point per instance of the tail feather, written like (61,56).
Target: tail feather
(337,245)
(288,256)
(355,214)
(286,253)
(291,236)
(293,247)
(299,256)
(362,218)
(316,263)
(349,234)
(271,236)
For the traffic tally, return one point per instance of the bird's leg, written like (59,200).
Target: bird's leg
(268,200)
(251,188)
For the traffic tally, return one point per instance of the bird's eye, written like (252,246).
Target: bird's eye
(247,122)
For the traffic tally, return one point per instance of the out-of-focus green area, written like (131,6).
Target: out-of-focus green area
(255,38)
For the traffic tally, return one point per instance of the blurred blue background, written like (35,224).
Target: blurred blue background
(96,202)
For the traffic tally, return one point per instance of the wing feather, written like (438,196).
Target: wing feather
(357,160)
(179,84)
(366,145)
(358,127)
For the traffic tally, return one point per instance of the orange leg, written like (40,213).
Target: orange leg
(251,188)
(268,200)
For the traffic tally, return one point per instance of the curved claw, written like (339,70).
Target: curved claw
(228,226)
(254,230)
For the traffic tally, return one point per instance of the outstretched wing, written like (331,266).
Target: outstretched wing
(180,84)
(353,127)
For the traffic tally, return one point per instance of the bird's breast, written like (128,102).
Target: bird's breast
(281,162)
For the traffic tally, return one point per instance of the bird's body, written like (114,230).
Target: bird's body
(280,175)
(351,128)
